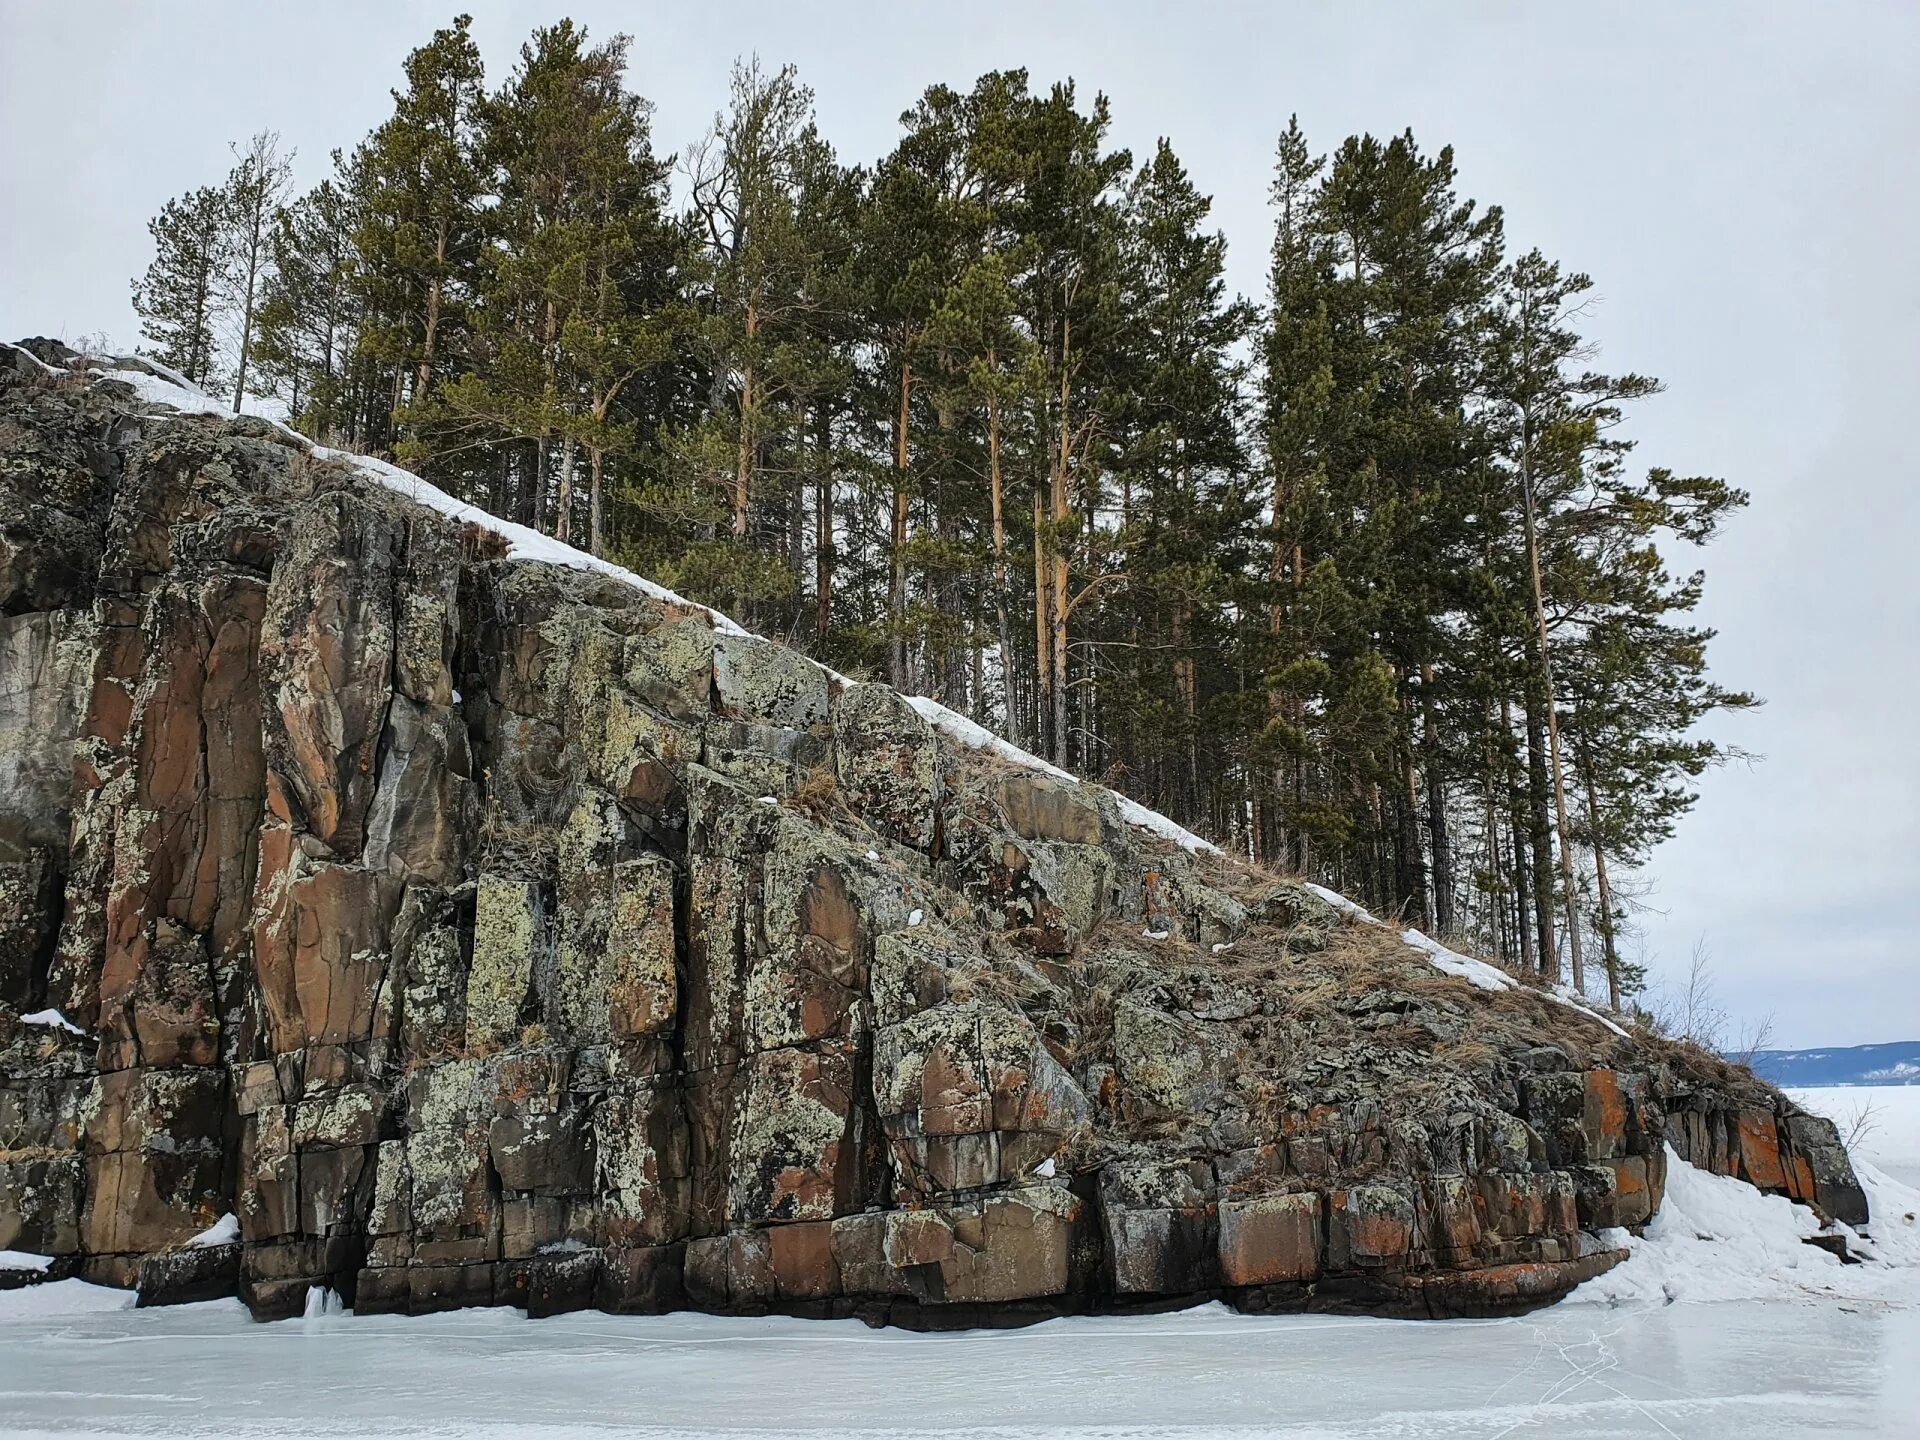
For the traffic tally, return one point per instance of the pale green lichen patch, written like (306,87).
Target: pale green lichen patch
(508,919)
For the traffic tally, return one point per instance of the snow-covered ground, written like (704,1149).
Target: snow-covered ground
(1753,1369)
(1721,1323)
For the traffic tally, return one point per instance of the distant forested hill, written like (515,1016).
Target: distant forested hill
(1896,1063)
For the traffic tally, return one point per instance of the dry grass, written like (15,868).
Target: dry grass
(818,795)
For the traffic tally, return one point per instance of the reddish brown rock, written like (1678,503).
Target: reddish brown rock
(1268,1239)
(1759,1150)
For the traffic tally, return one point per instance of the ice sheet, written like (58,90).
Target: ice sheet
(1755,1369)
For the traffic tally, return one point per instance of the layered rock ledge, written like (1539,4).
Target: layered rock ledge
(478,930)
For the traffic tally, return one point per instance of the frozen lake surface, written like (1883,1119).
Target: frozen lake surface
(1753,1369)
(1722,1323)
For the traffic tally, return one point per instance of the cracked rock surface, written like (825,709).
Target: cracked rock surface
(482,931)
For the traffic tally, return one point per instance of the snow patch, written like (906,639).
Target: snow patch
(1477,972)
(1717,1239)
(22,1260)
(977,737)
(224,1231)
(54,1019)
(62,1297)
(915,918)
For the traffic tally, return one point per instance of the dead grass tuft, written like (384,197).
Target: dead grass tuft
(818,796)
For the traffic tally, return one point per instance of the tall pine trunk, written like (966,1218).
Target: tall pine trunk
(1441,839)
(1059,512)
(1540,835)
(1042,626)
(1552,718)
(897,537)
(596,519)
(563,508)
(432,327)
(823,554)
(1609,952)
(997,492)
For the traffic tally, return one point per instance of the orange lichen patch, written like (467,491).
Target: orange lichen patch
(1759,1141)
(1606,1114)
(1270,1239)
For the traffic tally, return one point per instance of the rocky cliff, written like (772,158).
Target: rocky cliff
(482,930)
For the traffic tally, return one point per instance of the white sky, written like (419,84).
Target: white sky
(1740,181)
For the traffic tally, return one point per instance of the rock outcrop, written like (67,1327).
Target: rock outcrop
(485,931)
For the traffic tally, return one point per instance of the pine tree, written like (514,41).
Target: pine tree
(250,201)
(418,191)
(745,178)
(1180,464)
(306,326)
(1070,302)
(565,312)
(179,299)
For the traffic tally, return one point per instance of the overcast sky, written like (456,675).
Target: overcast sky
(1739,180)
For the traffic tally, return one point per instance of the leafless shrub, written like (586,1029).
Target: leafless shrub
(1864,1122)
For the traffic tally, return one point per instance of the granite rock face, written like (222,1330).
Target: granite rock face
(481,931)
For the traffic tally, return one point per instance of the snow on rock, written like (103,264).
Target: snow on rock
(25,354)
(224,1231)
(523,542)
(53,1019)
(977,737)
(177,393)
(157,385)
(22,1260)
(1716,1238)
(915,918)
(1477,972)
